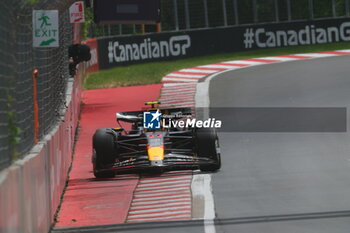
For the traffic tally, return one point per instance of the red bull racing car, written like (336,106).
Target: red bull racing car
(159,140)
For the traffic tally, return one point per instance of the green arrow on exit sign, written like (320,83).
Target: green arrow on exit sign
(45,28)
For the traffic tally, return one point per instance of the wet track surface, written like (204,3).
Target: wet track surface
(284,182)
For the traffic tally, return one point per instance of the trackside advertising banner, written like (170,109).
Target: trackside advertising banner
(125,50)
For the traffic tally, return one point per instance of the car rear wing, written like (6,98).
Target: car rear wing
(130,117)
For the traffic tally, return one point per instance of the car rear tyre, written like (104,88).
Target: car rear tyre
(104,152)
(207,144)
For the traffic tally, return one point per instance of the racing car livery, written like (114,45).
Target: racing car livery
(150,146)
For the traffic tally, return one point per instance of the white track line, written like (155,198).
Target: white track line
(174,179)
(221,66)
(194,70)
(177,90)
(185,75)
(142,199)
(316,55)
(140,196)
(151,203)
(201,189)
(174,92)
(201,184)
(173,85)
(164,187)
(169,95)
(181,96)
(177,100)
(161,191)
(279,58)
(160,218)
(160,184)
(159,201)
(177,105)
(159,214)
(180,79)
(161,205)
(249,63)
(165,208)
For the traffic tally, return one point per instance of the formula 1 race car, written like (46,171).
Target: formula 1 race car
(159,140)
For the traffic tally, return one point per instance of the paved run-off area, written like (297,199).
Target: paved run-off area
(89,201)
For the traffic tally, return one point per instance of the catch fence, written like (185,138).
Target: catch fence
(18,59)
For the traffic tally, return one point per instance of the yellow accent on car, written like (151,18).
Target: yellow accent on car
(155,153)
(152,102)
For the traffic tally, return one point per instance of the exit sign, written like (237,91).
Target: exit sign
(45,28)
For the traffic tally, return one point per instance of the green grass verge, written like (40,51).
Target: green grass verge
(149,73)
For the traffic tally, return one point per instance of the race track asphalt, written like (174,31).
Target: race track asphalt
(275,182)
(283,182)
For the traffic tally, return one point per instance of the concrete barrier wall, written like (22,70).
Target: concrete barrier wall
(31,188)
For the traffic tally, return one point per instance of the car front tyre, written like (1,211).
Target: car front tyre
(207,146)
(104,152)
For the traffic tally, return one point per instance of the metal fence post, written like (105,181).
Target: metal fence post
(235,9)
(334,13)
(277,17)
(255,12)
(206,19)
(176,17)
(311,9)
(187,15)
(289,10)
(224,12)
(36,108)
